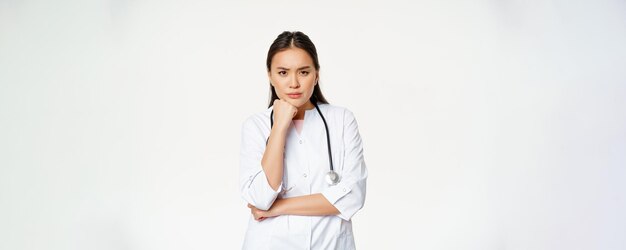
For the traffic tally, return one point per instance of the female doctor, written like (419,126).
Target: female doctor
(302,170)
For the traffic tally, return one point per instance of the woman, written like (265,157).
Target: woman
(299,197)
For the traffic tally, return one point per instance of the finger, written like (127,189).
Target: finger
(249,205)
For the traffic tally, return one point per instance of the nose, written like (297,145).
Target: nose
(294,82)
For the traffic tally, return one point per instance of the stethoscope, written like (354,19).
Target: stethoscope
(332,177)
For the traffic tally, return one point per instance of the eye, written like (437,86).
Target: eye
(282,72)
(304,73)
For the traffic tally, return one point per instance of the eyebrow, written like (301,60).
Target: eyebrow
(301,68)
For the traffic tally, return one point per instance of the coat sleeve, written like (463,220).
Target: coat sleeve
(348,196)
(253,184)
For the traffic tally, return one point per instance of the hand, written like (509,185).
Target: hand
(283,112)
(261,215)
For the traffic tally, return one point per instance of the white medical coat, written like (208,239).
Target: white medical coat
(305,166)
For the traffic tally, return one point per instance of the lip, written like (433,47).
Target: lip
(294,95)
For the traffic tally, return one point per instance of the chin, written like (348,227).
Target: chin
(295,103)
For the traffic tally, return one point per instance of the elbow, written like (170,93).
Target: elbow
(256,190)
(264,205)
(349,206)
(262,202)
(357,207)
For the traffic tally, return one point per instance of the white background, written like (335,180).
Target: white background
(487,124)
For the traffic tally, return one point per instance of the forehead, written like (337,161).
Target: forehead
(292,58)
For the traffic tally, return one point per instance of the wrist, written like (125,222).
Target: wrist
(278,208)
(281,128)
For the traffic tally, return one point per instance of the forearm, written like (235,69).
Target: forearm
(273,156)
(312,205)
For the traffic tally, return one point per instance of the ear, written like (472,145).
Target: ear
(317,77)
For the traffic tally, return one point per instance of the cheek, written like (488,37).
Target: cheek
(278,83)
(311,84)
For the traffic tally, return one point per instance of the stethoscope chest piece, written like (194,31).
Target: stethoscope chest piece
(332,178)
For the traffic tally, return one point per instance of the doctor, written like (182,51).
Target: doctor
(302,170)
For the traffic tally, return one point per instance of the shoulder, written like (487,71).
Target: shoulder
(338,112)
(342,120)
(339,117)
(258,120)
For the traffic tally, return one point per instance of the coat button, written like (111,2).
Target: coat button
(304,175)
(300,141)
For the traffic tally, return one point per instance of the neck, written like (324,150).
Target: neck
(307,106)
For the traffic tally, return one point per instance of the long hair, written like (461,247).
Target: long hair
(296,39)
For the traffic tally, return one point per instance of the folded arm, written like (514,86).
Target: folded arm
(311,205)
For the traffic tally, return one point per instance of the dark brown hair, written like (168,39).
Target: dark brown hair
(296,39)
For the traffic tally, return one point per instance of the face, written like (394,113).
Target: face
(293,76)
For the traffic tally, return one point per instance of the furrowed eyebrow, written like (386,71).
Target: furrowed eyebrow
(301,68)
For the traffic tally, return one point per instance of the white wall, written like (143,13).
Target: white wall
(487,124)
